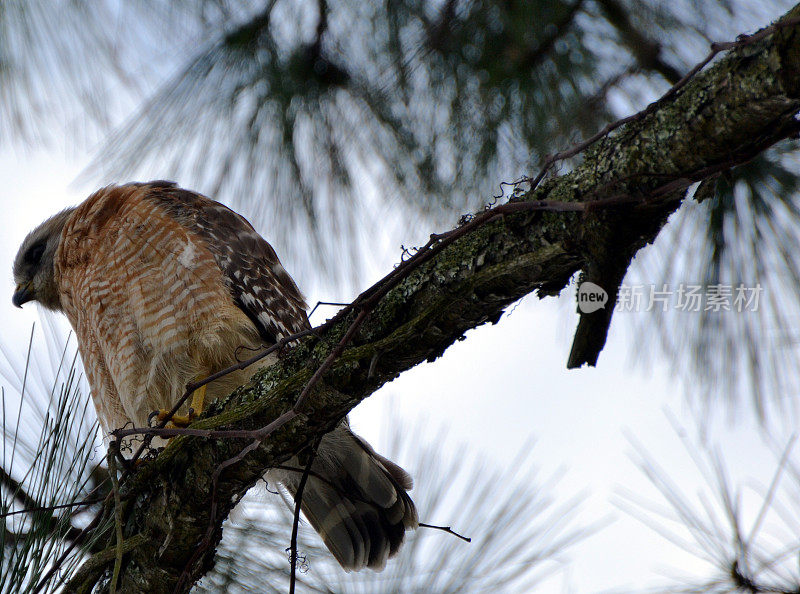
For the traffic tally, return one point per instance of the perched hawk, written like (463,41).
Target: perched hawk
(163,287)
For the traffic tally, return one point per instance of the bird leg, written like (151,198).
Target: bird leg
(196,409)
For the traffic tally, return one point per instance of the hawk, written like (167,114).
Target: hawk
(163,287)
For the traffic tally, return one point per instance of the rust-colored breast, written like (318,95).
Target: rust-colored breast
(147,301)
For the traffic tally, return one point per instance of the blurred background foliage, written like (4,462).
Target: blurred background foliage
(51,464)
(339,121)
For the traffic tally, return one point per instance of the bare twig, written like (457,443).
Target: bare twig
(298,500)
(206,541)
(313,309)
(51,507)
(331,358)
(447,529)
(112,472)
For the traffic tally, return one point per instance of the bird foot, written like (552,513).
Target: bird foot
(180,421)
(176,421)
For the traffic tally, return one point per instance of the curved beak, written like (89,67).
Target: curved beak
(23,294)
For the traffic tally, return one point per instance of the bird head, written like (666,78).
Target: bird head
(34,266)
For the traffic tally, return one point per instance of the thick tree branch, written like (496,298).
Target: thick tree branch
(724,117)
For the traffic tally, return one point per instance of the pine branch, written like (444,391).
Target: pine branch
(14,487)
(44,516)
(647,51)
(723,117)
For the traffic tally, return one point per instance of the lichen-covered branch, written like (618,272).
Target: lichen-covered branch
(726,115)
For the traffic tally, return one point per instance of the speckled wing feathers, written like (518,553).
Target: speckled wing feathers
(258,282)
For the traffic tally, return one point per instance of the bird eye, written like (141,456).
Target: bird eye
(35,253)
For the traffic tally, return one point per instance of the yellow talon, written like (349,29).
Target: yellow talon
(176,420)
(180,421)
